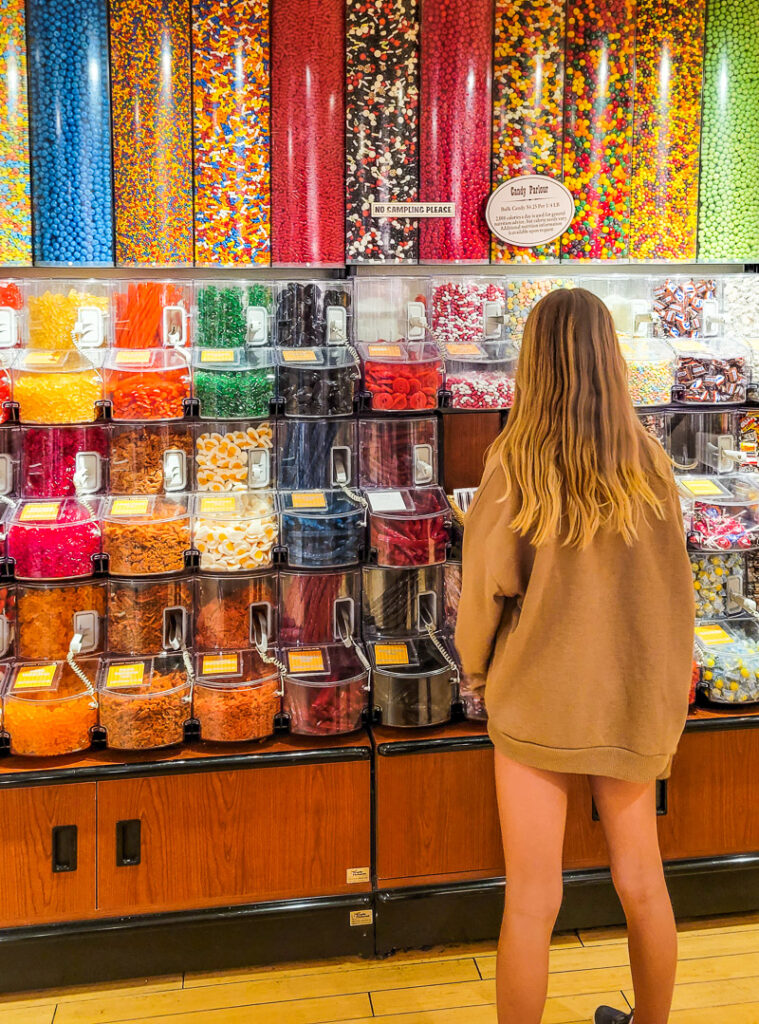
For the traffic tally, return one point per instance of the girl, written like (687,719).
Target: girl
(577,615)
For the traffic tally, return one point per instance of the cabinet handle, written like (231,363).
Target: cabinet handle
(64,848)
(128,842)
(662,800)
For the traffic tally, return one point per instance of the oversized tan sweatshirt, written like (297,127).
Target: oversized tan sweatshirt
(587,653)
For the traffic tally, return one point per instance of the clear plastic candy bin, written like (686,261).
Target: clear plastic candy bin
(403,376)
(466,309)
(721,513)
(317,382)
(230,609)
(398,452)
(61,462)
(711,370)
(236,696)
(650,369)
(390,308)
(148,384)
(144,702)
(49,615)
(149,616)
(68,314)
(321,529)
(235,455)
(686,307)
(57,387)
(48,710)
(51,540)
(326,690)
(233,314)
(729,660)
(717,581)
(319,607)
(409,527)
(312,314)
(481,375)
(235,532)
(317,454)
(151,314)
(413,684)
(401,602)
(151,458)
(234,383)
(146,535)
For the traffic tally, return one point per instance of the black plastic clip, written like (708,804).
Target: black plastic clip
(191,408)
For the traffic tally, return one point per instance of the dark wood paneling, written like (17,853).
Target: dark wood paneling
(466,437)
(584,844)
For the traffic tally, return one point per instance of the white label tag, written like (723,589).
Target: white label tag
(413,210)
(386,501)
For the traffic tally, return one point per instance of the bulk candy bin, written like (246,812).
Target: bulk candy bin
(231,608)
(68,314)
(146,536)
(715,579)
(236,696)
(321,529)
(409,527)
(48,710)
(9,458)
(61,462)
(150,458)
(235,456)
(402,377)
(521,295)
(149,616)
(13,316)
(687,307)
(466,309)
(152,314)
(628,299)
(721,513)
(70,132)
(144,702)
(49,615)
(235,532)
(389,309)
(481,376)
(326,690)
(650,370)
(401,602)
(398,452)
(147,384)
(316,454)
(729,660)
(310,314)
(412,683)
(234,383)
(57,387)
(317,381)
(51,540)
(8,621)
(318,607)
(711,370)
(16,217)
(452,591)
(232,314)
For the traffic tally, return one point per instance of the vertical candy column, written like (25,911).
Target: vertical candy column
(231,111)
(308,132)
(598,106)
(70,131)
(528,102)
(728,226)
(152,132)
(382,128)
(457,67)
(669,58)
(15,193)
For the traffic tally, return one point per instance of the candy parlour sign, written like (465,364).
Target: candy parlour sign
(530,210)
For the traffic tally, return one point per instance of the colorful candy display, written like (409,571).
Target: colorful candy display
(55,718)
(728,216)
(235,706)
(481,376)
(47,618)
(234,384)
(314,604)
(710,580)
(147,714)
(685,307)
(151,314)
(232,458)
(402,377)
(231,314)
(398,453)
(528,91)
(317,382)
(457,74)
(521,296)
(711,371)
(650,370)
(311,314)
(230,63)
(65,316)
(235,532)
(669,56)
(409,527)
(721,513)
(465,310)
(321,530)
(382,128)
(729,662)
(139,614)
(148,385)
(227,605)
(308,117)
(152,131)
(56,387)
(598,106)
(54,539)
(316,454)
(150,458)
(146,536)
(15,190)
(60,462)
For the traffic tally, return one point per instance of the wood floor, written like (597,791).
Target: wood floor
(718,983)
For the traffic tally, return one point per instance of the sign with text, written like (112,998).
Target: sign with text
(413,210)
(530,210)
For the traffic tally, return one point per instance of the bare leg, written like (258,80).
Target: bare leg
(628,816)
(533,809)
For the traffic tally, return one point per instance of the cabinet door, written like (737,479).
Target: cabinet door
(584,843)
(208,839)
(466,438)
(47,854)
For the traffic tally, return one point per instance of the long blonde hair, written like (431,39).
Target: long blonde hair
(575,455)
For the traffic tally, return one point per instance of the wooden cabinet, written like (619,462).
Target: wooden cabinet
(47,854)
(466,437)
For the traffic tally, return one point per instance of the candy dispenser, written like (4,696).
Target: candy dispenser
(321,529)
(390,309)
(152,132)
(48,710)
(57,387)
(232,314)
(528,88)
(235,456)
(713,370)
(721,513)
(16,215)
(706,441)
(235,532)
(319,607)
(62,462)
(50,615)
(628,299)
(236,696)
(481,376)
(454,144)
(151,458)
(521,294)
(308,117)
(466,309)
(740,299)
(8,620)
(717,579)
(147,384)
(748,441)
(382,128)
(650,370)
(234,383)
(687,307)
(729,661)
(728,214)
(68,314)
(311,314)
(401,602)
(669,55)
(51,540)
(9,457)
(317,382)
(317,454)
(398,452)
(231,132)
(146,536)
(326,690)
(452,591)
(232,610)
(409,527)
(13,296)
(151,314)
(413,684)
(149,616)
(70,132)
(144,702)
(402,377)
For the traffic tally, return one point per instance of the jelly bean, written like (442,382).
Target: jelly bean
(308,117)
(15,190)
(455,127)
(382,110)
(669,56)
(521,296)
(528,87)
(650,382)
(152,132)
(728,224)
(230,63)
(598,98)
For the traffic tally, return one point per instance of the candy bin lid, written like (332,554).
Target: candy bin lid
(151,314)
(390,307)
(52,513)
(225,669)
(47,680)
(410,503)
(130,677)
(323,665)
(411,656)
(145,508)
(724,510)
(316,504)
(721,346)
(724,650)
(12,312)
(333,358)
(485,354)
(401,351)
(35,360)
(235,360)
(147,360)
(731,489)
(232,313)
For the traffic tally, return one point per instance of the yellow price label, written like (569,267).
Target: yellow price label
(130,507)
(133,357)
(309,499)
(43,358)
(702,488)
(221,665)
(391,654)
(223,503)
(385,351)
(463,349)
(44,512)
(299,355)
(35,677)
(218,355)
(306,661)
(131,674)
(713,635)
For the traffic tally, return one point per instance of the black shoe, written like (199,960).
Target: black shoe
(605,1015)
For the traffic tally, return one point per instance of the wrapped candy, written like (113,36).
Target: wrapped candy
(729,660)
(711,574)
(685,306)
(722,513)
